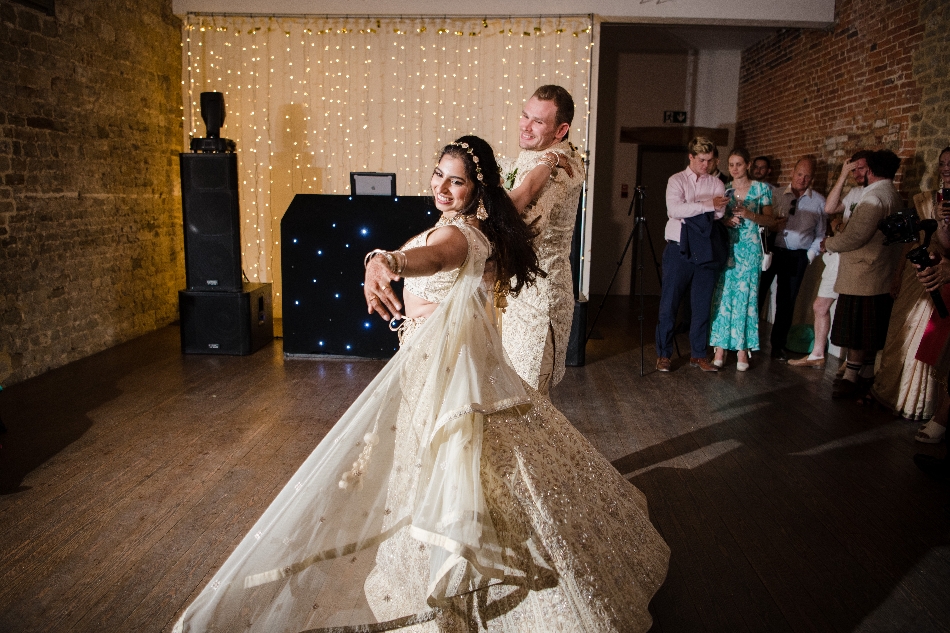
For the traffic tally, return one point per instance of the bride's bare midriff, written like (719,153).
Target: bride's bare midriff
(417,307)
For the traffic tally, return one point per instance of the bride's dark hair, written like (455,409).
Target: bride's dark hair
(513,254)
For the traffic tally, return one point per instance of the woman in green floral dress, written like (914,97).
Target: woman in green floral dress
(735,313)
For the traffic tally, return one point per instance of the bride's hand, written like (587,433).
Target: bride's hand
(379,295)
(556,158)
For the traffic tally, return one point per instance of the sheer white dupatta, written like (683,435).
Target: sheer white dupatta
(313,546)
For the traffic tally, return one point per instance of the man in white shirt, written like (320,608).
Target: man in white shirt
(799,230)
(857,167)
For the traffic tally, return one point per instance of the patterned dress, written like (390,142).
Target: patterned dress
(735,312)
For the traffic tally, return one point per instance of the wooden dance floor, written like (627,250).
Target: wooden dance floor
(126,479)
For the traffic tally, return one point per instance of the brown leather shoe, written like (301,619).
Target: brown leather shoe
(663,364)
(817,363)
(702,363)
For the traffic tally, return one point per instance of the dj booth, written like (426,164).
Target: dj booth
(323,241)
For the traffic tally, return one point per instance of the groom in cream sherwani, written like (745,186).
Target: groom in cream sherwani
(537,323)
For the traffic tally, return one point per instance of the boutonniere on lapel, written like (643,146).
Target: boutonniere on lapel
(510,179)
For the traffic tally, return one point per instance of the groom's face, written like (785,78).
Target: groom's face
(538,128)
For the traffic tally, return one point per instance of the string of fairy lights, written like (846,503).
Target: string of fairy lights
(310,99)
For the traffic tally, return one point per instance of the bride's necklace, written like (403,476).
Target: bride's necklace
(458,218)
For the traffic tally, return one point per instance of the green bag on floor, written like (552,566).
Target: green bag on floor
(801,339)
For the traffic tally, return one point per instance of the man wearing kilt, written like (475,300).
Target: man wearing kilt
(865,273)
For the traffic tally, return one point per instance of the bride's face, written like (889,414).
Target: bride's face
(451,188)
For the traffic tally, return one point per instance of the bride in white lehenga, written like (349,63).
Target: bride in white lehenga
(450,496)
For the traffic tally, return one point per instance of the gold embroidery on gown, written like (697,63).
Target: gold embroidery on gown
(550,302)
(579,549)
(433,288)
(474,509)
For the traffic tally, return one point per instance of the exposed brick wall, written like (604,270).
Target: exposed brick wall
(859,85)
(930,126)
(91,248)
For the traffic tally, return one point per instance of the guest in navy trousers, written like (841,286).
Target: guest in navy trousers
(694,254)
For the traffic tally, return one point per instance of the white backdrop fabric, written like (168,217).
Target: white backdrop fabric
(310,99)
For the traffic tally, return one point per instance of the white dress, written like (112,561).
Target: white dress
(449,496)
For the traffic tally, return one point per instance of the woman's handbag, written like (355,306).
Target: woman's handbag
(766,255)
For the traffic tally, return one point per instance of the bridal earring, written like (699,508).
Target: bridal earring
(481,213)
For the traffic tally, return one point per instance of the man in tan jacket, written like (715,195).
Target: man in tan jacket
(865,273)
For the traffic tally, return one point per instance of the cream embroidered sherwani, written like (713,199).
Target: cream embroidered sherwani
(550,302)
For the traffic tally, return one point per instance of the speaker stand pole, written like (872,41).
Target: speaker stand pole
(640,222)
(636,193)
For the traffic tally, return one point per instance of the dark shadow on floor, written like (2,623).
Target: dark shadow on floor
(45,414)
(779,522)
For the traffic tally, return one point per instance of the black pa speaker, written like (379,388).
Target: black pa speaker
(209,200)
(235,323)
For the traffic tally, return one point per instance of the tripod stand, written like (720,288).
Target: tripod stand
(640,227)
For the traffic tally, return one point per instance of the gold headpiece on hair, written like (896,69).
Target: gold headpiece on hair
(467,148)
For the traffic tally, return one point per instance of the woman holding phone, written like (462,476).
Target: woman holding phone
(735,311)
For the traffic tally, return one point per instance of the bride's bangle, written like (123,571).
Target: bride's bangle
(370,255)
(395,260)
(400,259)
(550,159)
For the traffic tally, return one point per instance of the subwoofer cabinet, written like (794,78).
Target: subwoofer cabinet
(235,323)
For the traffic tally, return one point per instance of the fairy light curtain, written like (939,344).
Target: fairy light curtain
(310,99)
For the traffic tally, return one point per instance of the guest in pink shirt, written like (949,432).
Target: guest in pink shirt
(689,194)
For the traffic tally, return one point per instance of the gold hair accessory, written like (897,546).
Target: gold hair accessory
(478,169)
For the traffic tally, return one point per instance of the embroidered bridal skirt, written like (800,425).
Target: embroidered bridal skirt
(578,549)
(449,497)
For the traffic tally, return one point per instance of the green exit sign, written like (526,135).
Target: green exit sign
(674,116)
